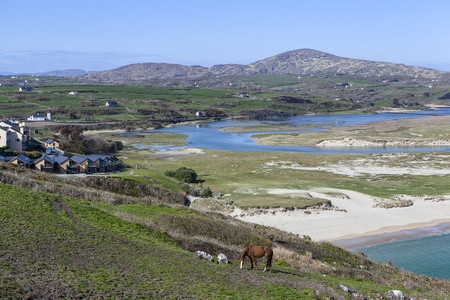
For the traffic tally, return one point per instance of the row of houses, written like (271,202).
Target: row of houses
(88,164)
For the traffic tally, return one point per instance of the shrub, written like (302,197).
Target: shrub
(169,173)
(206,192)
(281,262)
(183,174)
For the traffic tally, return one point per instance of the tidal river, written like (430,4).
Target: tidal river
(209,135)
(428,255)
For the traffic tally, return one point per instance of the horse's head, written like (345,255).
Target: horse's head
(242,259)
(245,253)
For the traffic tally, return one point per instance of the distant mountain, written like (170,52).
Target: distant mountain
(147,71)
(63,73)
(302,61)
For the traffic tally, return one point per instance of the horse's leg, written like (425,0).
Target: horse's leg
(251,262)
(267,262)
(270,261)
(254,260)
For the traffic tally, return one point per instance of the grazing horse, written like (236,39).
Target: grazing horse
(254,252)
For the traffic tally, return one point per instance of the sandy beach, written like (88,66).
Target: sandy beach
(353,221)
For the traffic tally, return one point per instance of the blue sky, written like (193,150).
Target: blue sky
(47,35)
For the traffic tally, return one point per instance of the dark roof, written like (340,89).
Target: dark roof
(95,157)
(10,123)
(49,141)
(45,157)
(78,159)
(23,158)
(2,158)
(60,159)
(14,126)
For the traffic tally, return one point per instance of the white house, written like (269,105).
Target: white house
(73,93)
(111,104)
(14,136)
(35,118)
(25,89)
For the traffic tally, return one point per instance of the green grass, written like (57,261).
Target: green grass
(58,247)
(247,176)
(110,258)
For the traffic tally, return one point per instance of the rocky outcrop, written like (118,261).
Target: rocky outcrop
(222,259)
(395,295)
(203,255)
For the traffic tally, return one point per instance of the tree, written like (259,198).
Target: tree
(183,174)
(396,102)
(186,175)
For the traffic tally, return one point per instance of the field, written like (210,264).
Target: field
(59,247)
(247,96)
(134,103)
(246,176)
(131,235)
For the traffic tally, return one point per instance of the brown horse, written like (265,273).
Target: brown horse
(254,252)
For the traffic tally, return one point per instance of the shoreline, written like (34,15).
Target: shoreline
(354,220)
(393,233)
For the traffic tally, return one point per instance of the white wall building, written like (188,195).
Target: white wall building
(14,136)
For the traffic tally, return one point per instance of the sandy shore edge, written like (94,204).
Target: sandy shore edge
(393,233)
(354,220)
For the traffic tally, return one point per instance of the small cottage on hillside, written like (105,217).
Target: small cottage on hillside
(25,89)
(111,104)
(45,164)
(21,160)
(52,144)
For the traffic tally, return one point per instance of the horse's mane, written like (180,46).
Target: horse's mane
(246,250)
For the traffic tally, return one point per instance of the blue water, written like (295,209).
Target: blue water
(428,255)
(209,135)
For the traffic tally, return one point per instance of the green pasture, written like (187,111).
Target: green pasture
(145,138)
(247,176)
(94,250)
(160,100)
(268,80)
(105,256)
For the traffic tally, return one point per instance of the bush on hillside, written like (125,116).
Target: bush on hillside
(183,174)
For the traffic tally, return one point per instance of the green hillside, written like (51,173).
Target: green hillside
(54,246)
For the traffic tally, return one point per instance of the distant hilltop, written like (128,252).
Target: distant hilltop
(296,62)
(63,73)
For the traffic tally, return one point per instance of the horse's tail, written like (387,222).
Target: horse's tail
(270,256)
(269,260)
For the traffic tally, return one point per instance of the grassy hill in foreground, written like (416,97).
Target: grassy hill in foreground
(54,246)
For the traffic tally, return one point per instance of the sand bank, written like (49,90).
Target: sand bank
(385,235)
(353,215)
